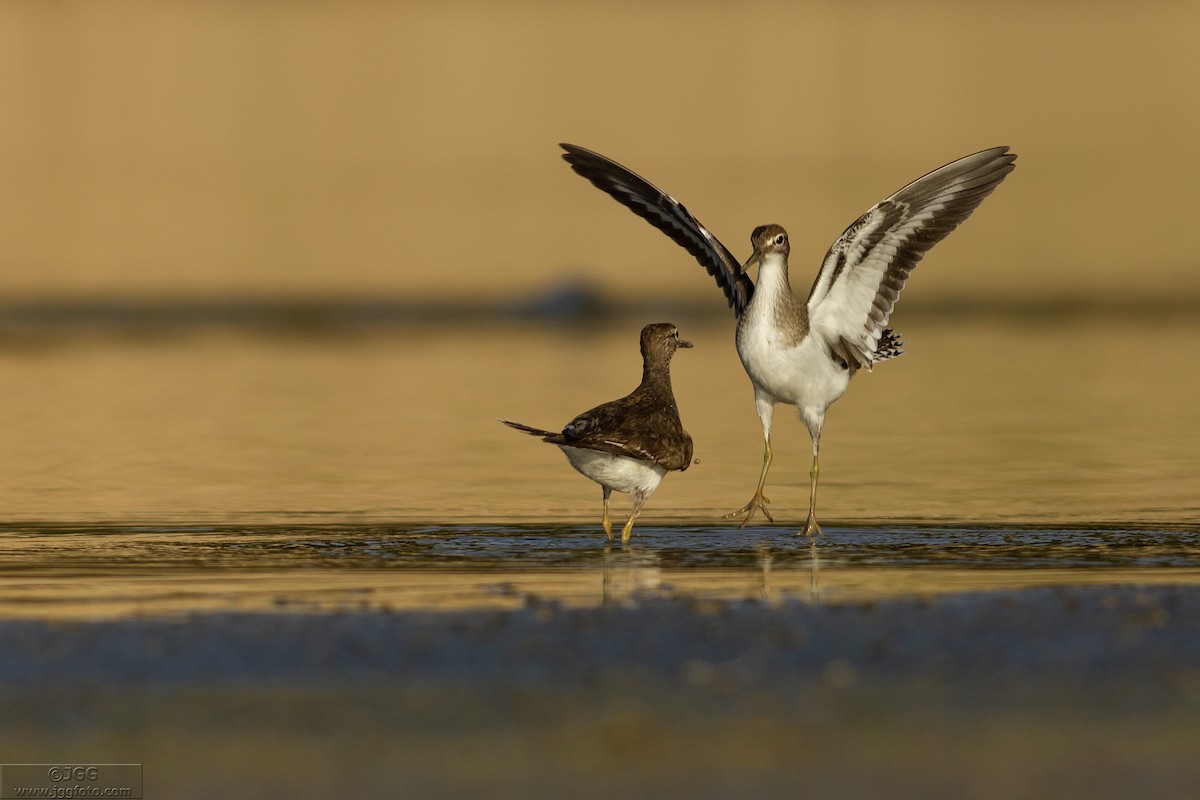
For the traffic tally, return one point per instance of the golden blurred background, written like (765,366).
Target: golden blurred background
(198,148)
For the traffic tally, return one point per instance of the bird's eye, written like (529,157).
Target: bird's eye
(780,239)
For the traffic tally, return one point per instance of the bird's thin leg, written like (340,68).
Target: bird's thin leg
(811,527)
(606,521)
(639,499)
(759,502)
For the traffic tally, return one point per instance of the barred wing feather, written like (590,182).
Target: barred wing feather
(866,268)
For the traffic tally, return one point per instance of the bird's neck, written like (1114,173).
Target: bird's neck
(774,291)
(656,372)
(773,275)
(775,304)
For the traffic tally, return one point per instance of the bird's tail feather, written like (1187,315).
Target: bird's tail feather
(890,345)
(527,429)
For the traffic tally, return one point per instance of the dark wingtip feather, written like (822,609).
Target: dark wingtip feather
(665,213)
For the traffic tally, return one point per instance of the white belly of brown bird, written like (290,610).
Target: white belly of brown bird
(620,473)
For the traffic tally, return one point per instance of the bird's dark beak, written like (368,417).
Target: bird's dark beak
(754,258)
(683,343)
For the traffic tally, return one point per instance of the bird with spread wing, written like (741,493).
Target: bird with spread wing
(804,353)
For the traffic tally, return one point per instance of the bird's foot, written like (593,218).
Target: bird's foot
(811,528)
(757,503)
(608,529)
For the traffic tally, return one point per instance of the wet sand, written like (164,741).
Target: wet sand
(1069,667)
(1091,692)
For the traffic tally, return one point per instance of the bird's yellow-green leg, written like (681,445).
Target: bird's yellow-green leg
(639,499)
(811,527)
(627,531)
(606,522)
(758,502)
(765,407)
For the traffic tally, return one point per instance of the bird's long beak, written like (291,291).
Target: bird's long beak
(754,258)
(683,343)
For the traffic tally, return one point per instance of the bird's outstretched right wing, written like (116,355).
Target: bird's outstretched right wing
(867,267)
(669,216)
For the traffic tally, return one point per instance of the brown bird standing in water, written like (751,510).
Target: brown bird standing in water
(631,443)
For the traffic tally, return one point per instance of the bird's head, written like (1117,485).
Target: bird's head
(661,339)
(767,240)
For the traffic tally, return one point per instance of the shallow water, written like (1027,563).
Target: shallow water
(219,468)
(320,562)
(1085,421)
(92,572)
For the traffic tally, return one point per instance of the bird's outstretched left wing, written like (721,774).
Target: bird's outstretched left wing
(669,216)
(866,268)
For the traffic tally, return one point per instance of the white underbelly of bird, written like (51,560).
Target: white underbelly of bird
(802,375)
(620,473)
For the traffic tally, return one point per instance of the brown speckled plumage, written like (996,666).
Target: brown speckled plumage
(629,444)
(645,423)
